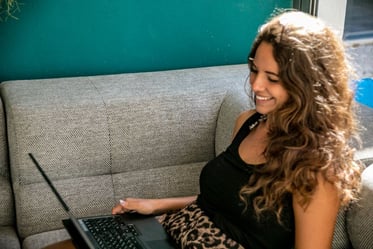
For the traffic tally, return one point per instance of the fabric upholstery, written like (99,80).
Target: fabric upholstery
(6,200)
(8,235)
(360,216)
(102,138)
(41,240)
(340,238)
(8,238)
(233,105)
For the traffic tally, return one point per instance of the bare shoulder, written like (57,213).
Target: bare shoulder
(241,120)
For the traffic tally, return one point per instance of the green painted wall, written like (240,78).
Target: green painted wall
(87,37)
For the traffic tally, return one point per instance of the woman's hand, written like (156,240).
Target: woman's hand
(141,206)
(151,206)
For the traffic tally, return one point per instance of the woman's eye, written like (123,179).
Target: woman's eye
(273,80)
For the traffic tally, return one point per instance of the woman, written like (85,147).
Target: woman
(290,166)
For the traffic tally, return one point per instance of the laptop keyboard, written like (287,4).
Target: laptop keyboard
(112,233)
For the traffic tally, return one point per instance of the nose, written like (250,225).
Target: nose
(257,82)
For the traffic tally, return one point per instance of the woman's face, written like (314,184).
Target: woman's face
(265,81)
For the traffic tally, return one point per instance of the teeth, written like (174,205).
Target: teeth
(263,98)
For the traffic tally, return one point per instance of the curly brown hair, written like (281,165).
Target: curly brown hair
(311,133)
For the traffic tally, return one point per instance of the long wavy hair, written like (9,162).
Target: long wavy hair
(311,133)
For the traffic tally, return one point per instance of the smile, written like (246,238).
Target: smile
(262,98)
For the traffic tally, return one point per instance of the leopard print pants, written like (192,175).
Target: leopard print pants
(190,228)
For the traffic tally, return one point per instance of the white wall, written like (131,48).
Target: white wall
(333,12)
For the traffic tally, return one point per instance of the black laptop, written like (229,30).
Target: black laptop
(129,230)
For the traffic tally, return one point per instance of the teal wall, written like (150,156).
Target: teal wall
(57,38)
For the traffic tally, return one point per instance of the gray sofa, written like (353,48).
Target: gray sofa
(102,138)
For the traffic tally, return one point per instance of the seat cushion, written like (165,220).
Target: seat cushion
(41,240)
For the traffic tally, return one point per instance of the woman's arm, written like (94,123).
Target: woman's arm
(314,226)
(152,206)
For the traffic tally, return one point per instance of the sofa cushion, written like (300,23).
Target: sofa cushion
(42,240)
(9,238)
(360,215)
(233,105)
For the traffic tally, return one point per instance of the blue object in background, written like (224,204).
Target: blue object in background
(364,92)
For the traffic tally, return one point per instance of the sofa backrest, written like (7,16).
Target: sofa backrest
(6,195)
(103,138)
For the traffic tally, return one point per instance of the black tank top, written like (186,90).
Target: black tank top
(220,182)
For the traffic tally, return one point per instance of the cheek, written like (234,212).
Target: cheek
(286,97)
(284,94)
(251,78)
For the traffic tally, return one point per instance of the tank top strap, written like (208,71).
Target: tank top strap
(245,129)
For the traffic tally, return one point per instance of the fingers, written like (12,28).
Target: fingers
(131,205)
(117,209)
(120,208)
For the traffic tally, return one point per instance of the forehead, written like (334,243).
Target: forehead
(264,57)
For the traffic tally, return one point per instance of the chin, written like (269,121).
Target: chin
(263,110)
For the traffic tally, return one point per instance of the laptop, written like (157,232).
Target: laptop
(130,230)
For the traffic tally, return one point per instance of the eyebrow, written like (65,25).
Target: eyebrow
(251,61)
